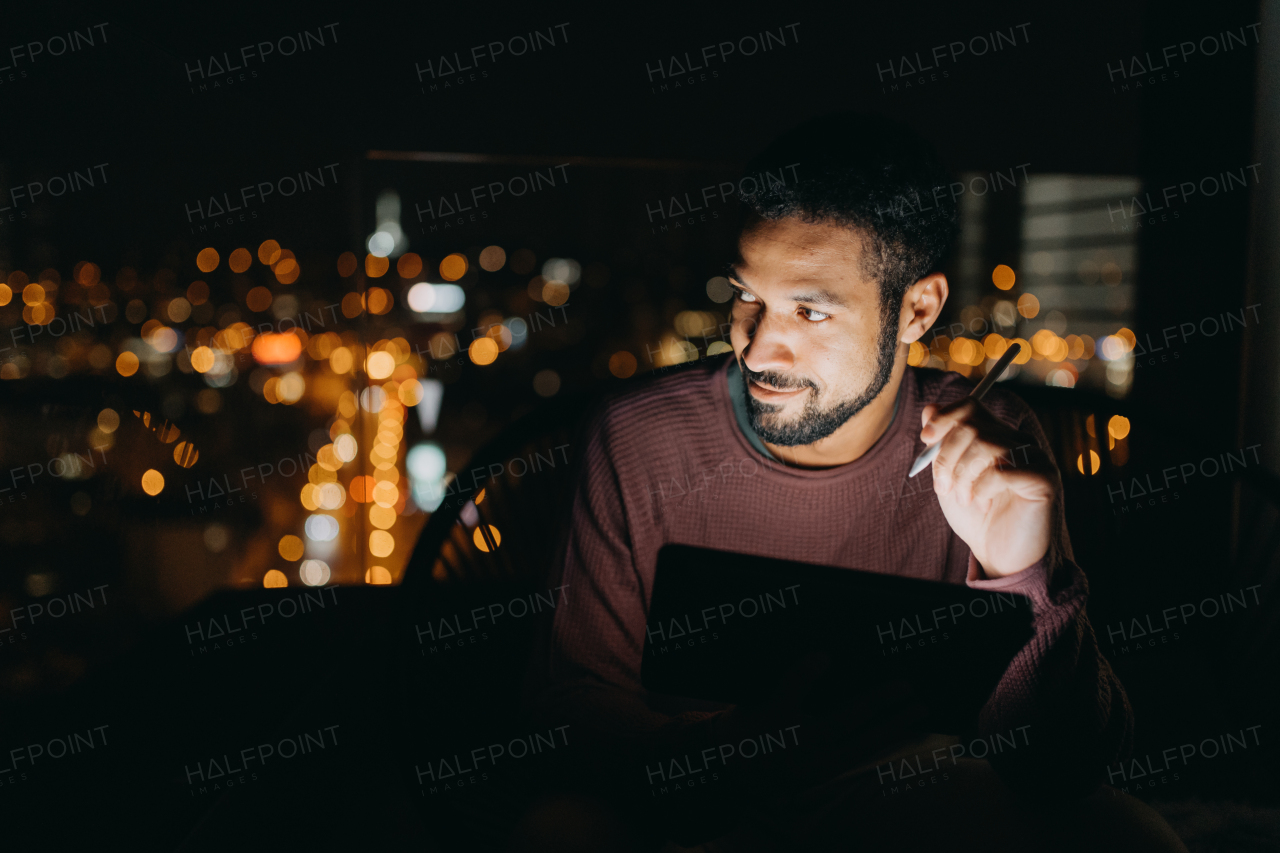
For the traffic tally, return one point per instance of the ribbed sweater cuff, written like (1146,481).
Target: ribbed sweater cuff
(1032,581)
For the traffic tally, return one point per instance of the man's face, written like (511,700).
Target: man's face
(809,332)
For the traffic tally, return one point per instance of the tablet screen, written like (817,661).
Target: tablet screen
(727,627)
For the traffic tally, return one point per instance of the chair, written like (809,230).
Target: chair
(490,541)
(526,477)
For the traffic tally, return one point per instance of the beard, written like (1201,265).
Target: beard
(816,422)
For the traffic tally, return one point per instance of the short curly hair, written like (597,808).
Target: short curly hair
(868,173)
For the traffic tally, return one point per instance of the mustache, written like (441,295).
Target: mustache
(781,381)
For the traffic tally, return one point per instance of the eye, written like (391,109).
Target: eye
(743,296)
(815,316)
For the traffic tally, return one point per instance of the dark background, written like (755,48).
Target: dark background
(1047,102)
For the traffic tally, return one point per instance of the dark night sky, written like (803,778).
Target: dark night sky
(1045,101)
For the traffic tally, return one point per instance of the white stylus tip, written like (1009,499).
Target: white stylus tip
(924,459)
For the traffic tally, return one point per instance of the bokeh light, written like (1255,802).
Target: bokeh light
(108,420)
(409,265)
(477,536)
(483,351)
(381,543)
(290,547)
(152,482)
(492,258)
(185,454)
(207,260)
(321,528)
(453,267)
(622,364)
(345,447)
(352,306)
(314,572)
(718,289)
(379,365)
(555,292)
(33,294)
(546,383)
(287,270)
(1003,277)
(202,359)
(346,264)
(258,299)
(127,363)
(376,267)
(379,300)
(273,348)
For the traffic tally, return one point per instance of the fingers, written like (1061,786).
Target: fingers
(939,421)
(971,441)
(978,460)
(989,469)
(975,468)
(1035,482)
(986,486)
(954,445)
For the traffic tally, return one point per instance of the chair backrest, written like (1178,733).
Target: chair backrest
(502,516)
(526,475)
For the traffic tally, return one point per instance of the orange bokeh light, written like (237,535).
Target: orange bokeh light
(376,267)
(240,260)
(273,348)
(453,267)
(1003,277)
(361,488)
(269,252)
(409,265)
(346,264)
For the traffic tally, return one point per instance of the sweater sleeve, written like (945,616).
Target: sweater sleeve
(1059,683)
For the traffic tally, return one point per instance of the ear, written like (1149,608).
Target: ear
(921,306)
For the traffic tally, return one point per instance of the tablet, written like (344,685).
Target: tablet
(727,627)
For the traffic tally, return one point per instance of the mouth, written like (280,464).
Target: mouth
(769,394)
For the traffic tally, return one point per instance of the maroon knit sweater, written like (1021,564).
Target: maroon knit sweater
(667,463)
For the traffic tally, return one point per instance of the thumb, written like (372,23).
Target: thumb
(927,414)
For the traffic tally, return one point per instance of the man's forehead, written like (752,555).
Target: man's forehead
(807,257)
(800,243)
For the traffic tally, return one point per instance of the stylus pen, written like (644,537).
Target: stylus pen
(923,460)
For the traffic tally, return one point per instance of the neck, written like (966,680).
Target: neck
(854,437)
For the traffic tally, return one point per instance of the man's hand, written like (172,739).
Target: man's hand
(996,486)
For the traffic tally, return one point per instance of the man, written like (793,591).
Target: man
(798,447)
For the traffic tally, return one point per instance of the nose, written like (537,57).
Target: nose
(768,345)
